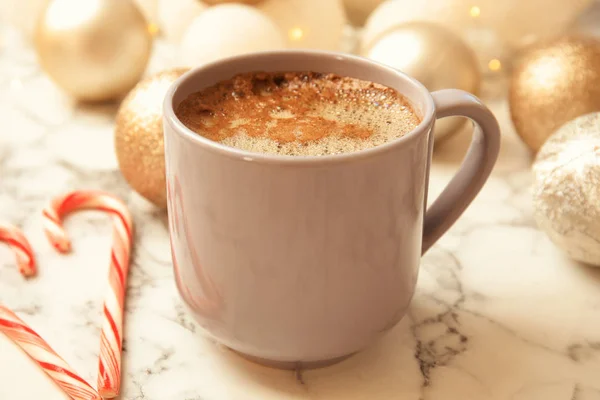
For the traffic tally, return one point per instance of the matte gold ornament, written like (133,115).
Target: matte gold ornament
(93,49)
(554,83)
(566,190)
(435,56)
(139,136)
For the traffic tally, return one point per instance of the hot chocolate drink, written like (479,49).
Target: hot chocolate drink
(298,113)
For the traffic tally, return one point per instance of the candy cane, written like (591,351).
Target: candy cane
(26,338)
(109,369)
(50,362)
(13,236)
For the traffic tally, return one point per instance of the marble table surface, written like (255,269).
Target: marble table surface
(499,312)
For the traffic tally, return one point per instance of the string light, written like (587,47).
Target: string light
(475,12)
(494,65)
(153,28)
(296,33)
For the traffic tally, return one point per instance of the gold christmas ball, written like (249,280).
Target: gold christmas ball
(566,190)
(553,84)
(139,136)
(93,49)
(433,55)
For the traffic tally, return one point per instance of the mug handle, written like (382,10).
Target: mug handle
(475,168)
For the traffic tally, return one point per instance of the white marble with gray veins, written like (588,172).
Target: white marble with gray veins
(499,313)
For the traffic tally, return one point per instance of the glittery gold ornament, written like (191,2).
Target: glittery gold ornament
(93,49)
(567,188)
(139,136)
(554,84)
(435,56)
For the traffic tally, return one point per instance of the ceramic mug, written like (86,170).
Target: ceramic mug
(301,259)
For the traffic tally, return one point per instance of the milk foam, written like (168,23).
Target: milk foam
(323,115)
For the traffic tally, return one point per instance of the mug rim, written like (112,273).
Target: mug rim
(183,131)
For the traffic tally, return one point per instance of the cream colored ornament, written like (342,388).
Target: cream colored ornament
(515,23)
(94,49)
(227,30)
(314,24)
(520,23)
(175,16)
(358,10)
(22,14)
(435,56)
(566,191)
(398,12)
(139,141)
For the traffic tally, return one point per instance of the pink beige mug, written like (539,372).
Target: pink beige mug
(307,260)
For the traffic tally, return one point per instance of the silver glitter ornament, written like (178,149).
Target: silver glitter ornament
(566,190)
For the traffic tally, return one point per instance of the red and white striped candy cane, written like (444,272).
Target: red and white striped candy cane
(26,338)
(12,236)
(109,369)
(52,364)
